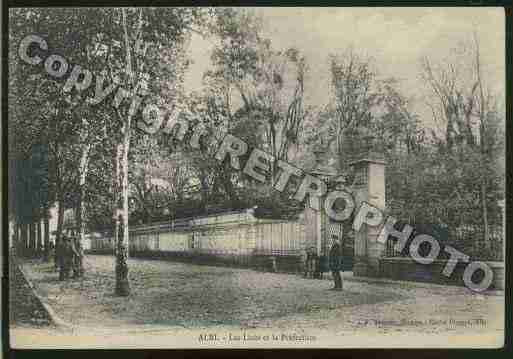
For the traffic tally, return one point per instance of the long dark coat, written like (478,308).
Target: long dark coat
(335,257)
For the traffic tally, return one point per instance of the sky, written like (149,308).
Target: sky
(395,38)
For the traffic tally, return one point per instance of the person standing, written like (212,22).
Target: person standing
(50,250)
(311,263)
(304,262)
(70,257)
(335,263)
(78,269)
(58,252)
(62,256)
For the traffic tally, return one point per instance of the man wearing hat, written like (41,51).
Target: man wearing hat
(78,254)
(60,254)
(67,253)
(335,263)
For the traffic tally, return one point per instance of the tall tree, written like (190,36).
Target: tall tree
(167,30)
(466,105)
(264,84)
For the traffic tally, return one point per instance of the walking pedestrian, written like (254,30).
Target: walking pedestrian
(335,263)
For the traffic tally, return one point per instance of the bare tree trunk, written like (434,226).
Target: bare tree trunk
(121,212)
(485,214)
(32,240)
(482,118)
(121,183)
(60,221)
(46,256)
(24,239)
(115,191)
(81,212)
(228,187)
(39,244)
(273,148)
(204,188)
(16,235)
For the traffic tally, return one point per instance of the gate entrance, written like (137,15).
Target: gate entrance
(361,251)
(336,229)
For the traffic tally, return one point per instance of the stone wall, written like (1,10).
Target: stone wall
(408,269)
(234,239)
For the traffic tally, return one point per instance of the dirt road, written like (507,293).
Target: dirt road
(181,301)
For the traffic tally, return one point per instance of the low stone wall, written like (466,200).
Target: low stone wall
(408,269)
(240,233)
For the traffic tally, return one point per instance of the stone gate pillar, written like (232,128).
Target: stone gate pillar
(368,186)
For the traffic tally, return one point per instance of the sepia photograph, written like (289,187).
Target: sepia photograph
(255,177)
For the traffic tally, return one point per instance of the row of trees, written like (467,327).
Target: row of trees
(93,158)
(89,145)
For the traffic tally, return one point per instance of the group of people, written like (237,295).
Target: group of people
(312,268)
(69,257)
(312,263)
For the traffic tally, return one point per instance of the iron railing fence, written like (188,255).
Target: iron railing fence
(467,239)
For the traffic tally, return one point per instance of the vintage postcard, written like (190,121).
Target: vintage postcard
(198,177)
